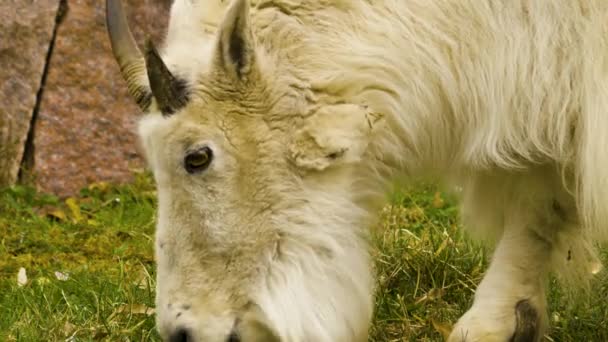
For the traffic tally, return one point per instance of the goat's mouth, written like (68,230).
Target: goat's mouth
(186,335)
(250,326)
(249,334)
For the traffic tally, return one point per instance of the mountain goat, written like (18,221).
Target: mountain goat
(274,127)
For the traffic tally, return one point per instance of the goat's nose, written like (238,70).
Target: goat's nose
(181,335)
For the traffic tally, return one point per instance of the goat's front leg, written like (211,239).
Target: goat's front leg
(510,303)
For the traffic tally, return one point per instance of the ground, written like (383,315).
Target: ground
(82,269)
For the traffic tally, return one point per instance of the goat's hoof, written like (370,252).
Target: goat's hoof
(521,323)
(527,323)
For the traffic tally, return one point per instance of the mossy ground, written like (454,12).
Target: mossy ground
(90,269)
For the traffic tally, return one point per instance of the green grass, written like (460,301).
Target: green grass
(101,244)
(428,271)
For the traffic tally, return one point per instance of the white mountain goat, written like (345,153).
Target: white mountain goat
(274,129)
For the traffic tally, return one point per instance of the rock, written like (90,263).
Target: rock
(84,131)
(26,30)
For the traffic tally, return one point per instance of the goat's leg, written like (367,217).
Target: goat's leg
(510,303)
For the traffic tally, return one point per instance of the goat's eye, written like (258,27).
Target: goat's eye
(199,160)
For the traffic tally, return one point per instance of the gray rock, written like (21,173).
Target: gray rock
(26,29)
(85,127)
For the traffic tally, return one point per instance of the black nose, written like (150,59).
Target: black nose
(181,335)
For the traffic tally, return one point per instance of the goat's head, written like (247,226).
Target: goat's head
(259,236)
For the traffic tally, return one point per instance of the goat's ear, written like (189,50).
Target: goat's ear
(334,134)
(235,47)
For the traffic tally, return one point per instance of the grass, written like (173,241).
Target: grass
(90,270)
(428,271)
(88,260)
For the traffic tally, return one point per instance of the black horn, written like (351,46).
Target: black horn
(170,92)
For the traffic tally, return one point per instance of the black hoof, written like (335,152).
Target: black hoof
(527,328)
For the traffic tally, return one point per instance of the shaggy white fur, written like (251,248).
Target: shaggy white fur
(312,107)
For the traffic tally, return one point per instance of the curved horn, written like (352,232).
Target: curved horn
(126,53)
(169,92)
